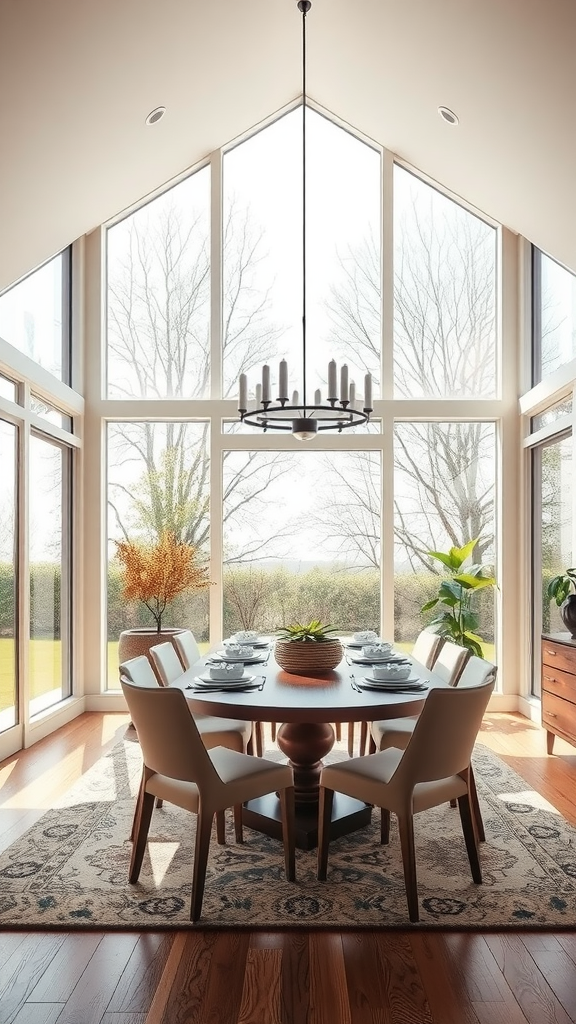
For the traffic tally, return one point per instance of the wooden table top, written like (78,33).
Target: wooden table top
(290,698)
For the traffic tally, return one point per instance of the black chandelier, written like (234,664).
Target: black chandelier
(342,409)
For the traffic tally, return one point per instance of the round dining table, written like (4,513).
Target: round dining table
(306,706)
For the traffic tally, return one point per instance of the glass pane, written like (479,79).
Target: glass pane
(8,690)
(32,315)
(557,315)
(444,492)
(48,412)
(8,389)
(301,539)
(159,296)
(555,531)
(158,478)
(444,296)
(49,580)
(263,254)
(544,419)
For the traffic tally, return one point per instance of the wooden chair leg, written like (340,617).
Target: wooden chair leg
(259,730)
(406,829)
(203,830)
(384,826)
(137,809)
(141,835)
(364,739)
(238,832)
(273,730)
(371,745)
(475,807)
(338,731)
(469,831)
(220,828)
(350,739)
(287,808)
(324,819)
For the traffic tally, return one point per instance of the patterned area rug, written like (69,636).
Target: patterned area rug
(70,870)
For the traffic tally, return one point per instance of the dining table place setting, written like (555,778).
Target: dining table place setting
(222,677)
(393,678)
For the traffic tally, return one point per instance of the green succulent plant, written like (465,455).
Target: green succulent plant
(312,632)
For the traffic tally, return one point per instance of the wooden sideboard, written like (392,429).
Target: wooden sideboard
(558,688)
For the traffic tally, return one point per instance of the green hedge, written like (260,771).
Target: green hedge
(253,597)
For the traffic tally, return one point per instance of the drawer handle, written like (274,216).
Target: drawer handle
(551,679)
(552,653)
(550,714)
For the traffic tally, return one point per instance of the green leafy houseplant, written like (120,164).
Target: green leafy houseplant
(561,586)
(455,618)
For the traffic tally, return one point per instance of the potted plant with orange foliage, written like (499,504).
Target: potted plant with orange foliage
(155,574)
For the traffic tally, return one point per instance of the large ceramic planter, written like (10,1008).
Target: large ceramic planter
(568,613)
(134,642)
(306,658)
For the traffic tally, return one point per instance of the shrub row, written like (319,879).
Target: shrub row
(253,598)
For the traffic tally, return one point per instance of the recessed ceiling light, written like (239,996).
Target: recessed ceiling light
(449,116)
(155,115)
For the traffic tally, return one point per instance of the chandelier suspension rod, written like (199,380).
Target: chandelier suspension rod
(304,7)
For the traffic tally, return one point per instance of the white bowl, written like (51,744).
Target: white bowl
(221,673)
(236,652)
(245,636)
(365,636)
(376,651)
(390,671)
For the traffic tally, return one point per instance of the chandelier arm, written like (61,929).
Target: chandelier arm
(304,8)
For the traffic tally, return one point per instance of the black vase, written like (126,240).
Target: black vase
(568,613)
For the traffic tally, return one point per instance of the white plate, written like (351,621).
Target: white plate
(247,660)
(357,645)
(247,643)
(395,683)
(209,681)
(399,659)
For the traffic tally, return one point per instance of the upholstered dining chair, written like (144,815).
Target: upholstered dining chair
(166,662)
(425,650)
(397,733)
(179,769)
(188,650)
(434,768)
(215,732)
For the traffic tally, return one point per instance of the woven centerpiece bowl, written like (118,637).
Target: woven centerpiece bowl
(305,657)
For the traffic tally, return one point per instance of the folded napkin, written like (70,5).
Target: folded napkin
(365,635)
(244,636)
(375,651)
(237,651)
(391,672)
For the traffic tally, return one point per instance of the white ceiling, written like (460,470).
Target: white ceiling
(78,77)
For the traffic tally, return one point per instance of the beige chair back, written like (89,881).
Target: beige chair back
(443,739)
(170,741)
(139,670)
(450,662)
(477,671)
(167,662)
(427,647)
(188,650)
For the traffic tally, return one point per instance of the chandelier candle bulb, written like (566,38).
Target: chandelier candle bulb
(283,381)
(258,395)
(265,384)
(368,392)
(344,383)
(317,397)
(295,398)
(243,393)
(352,395)
(332,392)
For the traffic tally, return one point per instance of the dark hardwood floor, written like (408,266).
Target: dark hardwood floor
(283,977)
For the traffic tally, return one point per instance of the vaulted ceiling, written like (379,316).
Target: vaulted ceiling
(78,77)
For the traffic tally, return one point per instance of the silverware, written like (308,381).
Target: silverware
(354,684)
(261,686)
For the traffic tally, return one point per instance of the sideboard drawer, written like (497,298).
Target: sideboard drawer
(558,714)
(561,683)
(558,656)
